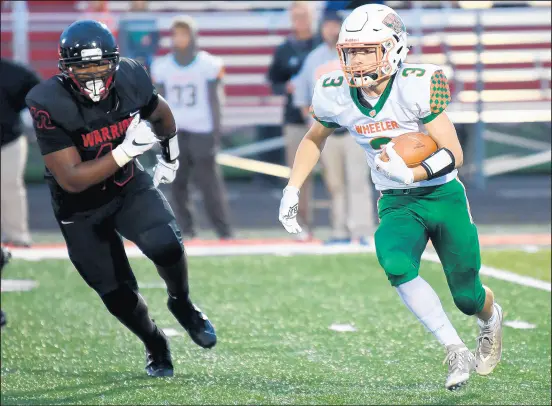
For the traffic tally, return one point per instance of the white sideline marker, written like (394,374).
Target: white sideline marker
(18,285)
(171,332)
(343,328)
(501,274)
(519,324)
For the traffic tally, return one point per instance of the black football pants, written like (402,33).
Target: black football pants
(142,215)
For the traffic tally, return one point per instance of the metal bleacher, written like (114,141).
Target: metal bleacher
(516,53)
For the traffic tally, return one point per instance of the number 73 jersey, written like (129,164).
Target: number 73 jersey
(186,88)
(415,95)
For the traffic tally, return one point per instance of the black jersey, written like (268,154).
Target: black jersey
(63,119)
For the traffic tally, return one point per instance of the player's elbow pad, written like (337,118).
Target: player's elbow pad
(169,148)
(439,163)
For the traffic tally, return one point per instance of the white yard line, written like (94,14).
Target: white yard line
(37,254)
(501,274)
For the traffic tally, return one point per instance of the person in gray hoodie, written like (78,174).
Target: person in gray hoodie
(191,81)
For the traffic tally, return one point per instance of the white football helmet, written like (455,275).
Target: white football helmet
(377,28)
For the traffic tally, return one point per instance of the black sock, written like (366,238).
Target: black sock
(130,309)
(176,278)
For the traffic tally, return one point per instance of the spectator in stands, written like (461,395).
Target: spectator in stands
(139,35)
(99,10)
(16,82)
(191,81)
(346,170)
(286,63)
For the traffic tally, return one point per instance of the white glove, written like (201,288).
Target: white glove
(139,138)
(288,210)
(395,169)
(164,172)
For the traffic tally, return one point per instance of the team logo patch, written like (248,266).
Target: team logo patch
(42,119)
(394,22)
(293,211)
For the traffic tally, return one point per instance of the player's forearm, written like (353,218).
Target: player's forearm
(164,127)
(420,173)
(442,130)
(306,158)
(162,120)
(86,174)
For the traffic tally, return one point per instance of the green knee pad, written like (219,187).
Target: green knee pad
(467,291)
(398,268)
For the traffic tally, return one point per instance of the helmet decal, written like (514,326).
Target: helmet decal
(393,22)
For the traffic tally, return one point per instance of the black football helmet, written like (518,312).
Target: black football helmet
(87,43)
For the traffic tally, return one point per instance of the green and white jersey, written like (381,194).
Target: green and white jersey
(415,95)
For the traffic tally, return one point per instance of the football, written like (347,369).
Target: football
(412,147)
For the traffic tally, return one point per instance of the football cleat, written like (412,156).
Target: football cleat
(194,321)
(3,320)
(158,358)
(489,344)
(461,363)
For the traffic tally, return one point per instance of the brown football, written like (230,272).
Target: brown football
(413,148)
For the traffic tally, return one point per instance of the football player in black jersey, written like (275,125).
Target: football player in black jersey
(88,122)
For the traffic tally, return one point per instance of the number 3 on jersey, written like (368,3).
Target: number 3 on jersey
(418,72)
(332,82)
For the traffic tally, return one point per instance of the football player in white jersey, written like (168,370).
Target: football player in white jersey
(377,97)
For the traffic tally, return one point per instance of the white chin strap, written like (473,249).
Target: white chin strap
(367,81)
(364,81)
(95,89)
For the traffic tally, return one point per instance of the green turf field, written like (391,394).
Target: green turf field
(272,315)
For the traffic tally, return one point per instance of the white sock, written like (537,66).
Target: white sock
(422,300)
(492,320)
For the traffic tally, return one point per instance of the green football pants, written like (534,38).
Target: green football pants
(408,219)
